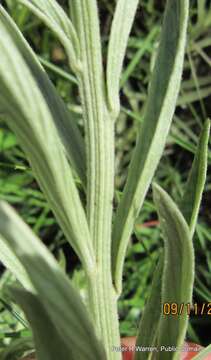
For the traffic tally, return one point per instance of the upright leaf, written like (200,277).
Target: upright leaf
(55,296)
(120,30)
(178,273)
(67,128)
(148,326)
(191,200)
(29,116)
(50,12)
(160,107)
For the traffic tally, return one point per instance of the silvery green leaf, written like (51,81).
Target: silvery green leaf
(159,111)
(66,125)
(148,326)
(121,26)
(54,293)
(52,14)
(29,115)
(191,199)
(178,273)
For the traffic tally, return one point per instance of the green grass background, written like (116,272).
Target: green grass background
(18,186)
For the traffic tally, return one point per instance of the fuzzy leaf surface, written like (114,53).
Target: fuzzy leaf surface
(55,296)
(191,200)
(160,108)
(66,125)
(178,272)
(29,115)
(120,30)
(52,14)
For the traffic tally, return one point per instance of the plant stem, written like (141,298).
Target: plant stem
(103,306)
(99,130)
(103,300)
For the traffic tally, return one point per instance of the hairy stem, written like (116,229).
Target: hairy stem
(99,131)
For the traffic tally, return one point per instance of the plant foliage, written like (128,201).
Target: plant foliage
(57,152)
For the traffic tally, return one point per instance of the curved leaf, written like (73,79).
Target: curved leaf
(160,108)
(66,125)
(178,273)
(191,200)
(120,30)
(55,296)
(52,14)
(29,116)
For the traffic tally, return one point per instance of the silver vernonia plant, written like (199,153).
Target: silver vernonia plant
(63,326)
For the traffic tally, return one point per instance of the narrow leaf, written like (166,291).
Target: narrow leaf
(151,315)
(191,200)
(66,125)
(160,108)
(12,263)
(57,296)
(178,273)
(52,14)
(30,117)
(120,30)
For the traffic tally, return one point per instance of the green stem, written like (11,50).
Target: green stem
(99,130)
(103,307)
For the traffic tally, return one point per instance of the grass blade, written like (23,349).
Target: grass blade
(160,107)
(178,270)
(191,200)
(120,30)
(61,302)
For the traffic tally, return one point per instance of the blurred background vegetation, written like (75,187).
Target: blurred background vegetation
(18,186)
